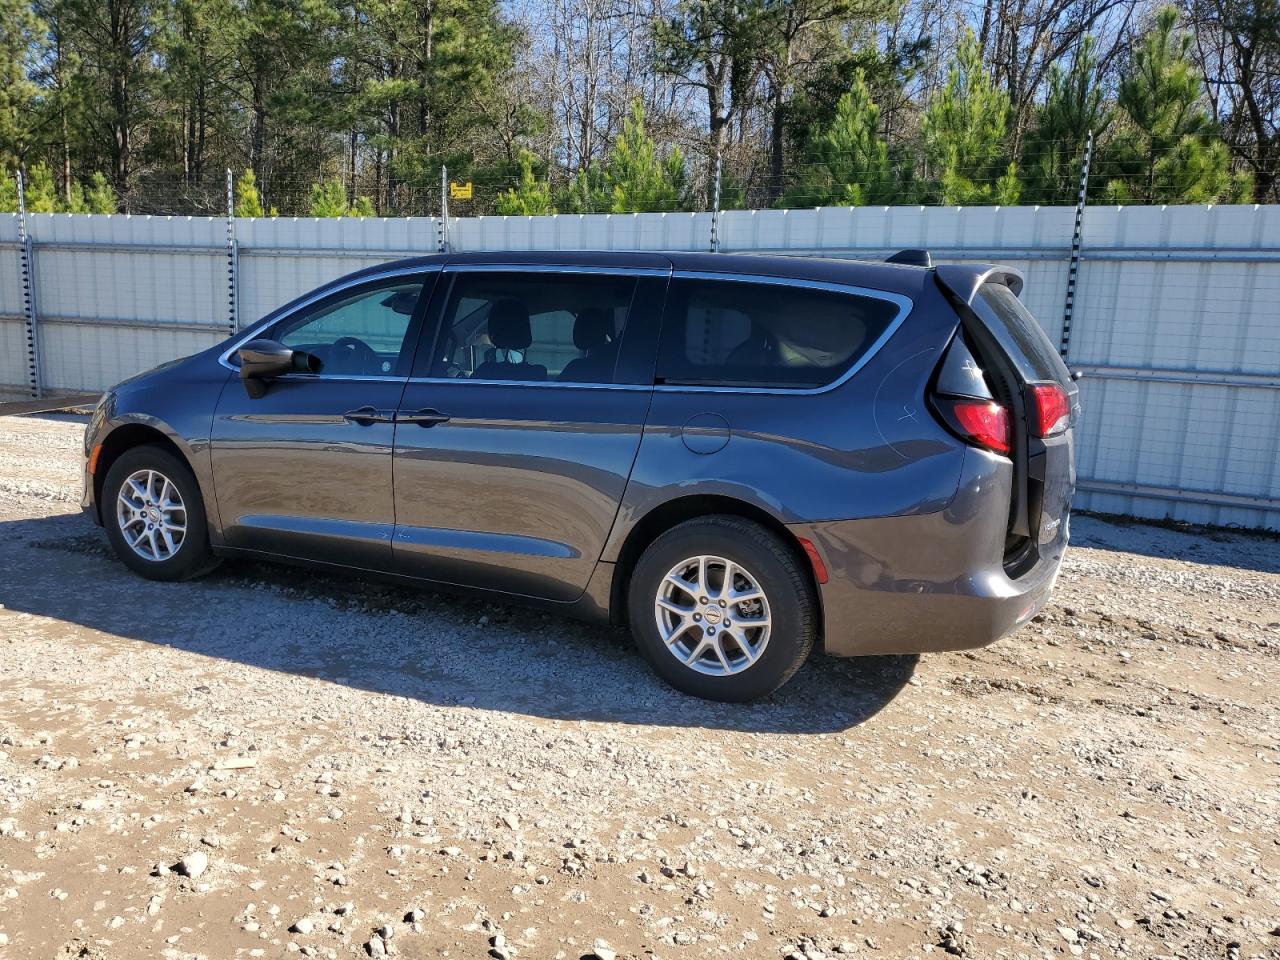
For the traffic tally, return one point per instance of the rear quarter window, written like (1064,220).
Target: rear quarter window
(753,334)
(1020,334)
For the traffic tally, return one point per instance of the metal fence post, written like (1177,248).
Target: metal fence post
(1073,269)
(26,255)
(442,227)
(715,208)
(233,259)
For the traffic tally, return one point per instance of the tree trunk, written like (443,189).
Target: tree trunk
(776,138)
(66,160)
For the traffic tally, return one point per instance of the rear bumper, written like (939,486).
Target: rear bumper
(929,582)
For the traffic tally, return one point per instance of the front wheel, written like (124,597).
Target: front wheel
(722,609)
(154,515)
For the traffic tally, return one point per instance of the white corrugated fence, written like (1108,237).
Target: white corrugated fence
(1176,321)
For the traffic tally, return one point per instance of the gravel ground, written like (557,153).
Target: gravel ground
(268,761)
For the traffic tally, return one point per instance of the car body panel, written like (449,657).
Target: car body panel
(175,400)
(294,477)
(932,581)
(514,491)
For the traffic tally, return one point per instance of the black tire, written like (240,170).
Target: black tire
(193,555)
(792,606)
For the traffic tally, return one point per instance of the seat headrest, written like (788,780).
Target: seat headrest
(592,328)
(509,327)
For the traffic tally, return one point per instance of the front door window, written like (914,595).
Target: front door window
(357,334)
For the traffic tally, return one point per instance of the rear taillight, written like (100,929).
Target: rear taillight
(965,403)
(1050,411)
(984,423)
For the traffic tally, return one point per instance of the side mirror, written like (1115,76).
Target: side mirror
(263,360)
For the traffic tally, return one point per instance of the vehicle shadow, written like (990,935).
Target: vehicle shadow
(400,641)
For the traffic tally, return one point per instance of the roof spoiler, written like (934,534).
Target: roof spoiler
(912,258)
(964,280)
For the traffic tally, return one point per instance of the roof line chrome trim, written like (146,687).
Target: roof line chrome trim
(556,268)
(904,305)
(275,317)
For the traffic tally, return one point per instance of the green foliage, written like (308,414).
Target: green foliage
(8,192)
(1054,151)
(328,199)
(964,134)
(22,37)
(531,197)
(586,192)
(39,190)
(833,101)
(640,181)
(813,106)
(848,163)
(42,195)
(75,203)
(101,196)
(247,201)
(1167,149)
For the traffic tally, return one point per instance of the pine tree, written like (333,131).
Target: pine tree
(1054,150)
(248,203)
(964,132)
(848,164)
(39,191)
(639,180)
(363,207)
(531,197)
(101,196)
(587,192)
(1167,150)
(328,199)
(21,39)
(74,202)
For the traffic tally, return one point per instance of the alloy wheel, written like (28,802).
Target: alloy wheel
(151,515)
(713,615)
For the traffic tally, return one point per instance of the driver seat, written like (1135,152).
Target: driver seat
(511,332)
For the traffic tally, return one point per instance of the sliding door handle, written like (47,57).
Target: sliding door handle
(426,417)
(368,415)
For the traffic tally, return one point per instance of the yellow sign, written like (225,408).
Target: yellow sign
(459,191)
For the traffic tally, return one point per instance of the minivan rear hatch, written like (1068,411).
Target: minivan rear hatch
(1031,380)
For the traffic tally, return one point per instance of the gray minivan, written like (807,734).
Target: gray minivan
(741,457)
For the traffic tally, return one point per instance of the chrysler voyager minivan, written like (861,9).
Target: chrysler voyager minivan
(740,457)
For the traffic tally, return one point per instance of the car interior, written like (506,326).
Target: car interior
(360,336)
(535,330)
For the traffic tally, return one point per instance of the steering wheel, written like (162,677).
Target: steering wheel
(352,355)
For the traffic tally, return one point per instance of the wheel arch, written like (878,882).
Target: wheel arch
(671,513)
(126,437)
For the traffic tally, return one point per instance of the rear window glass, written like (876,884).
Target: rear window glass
(740,333)
(1021,336)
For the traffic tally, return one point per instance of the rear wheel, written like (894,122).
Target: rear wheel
(722,609)
(154,515)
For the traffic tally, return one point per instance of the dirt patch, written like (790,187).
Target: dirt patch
(367,769)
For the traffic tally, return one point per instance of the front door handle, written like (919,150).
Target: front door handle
(368,415)
(426,417)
